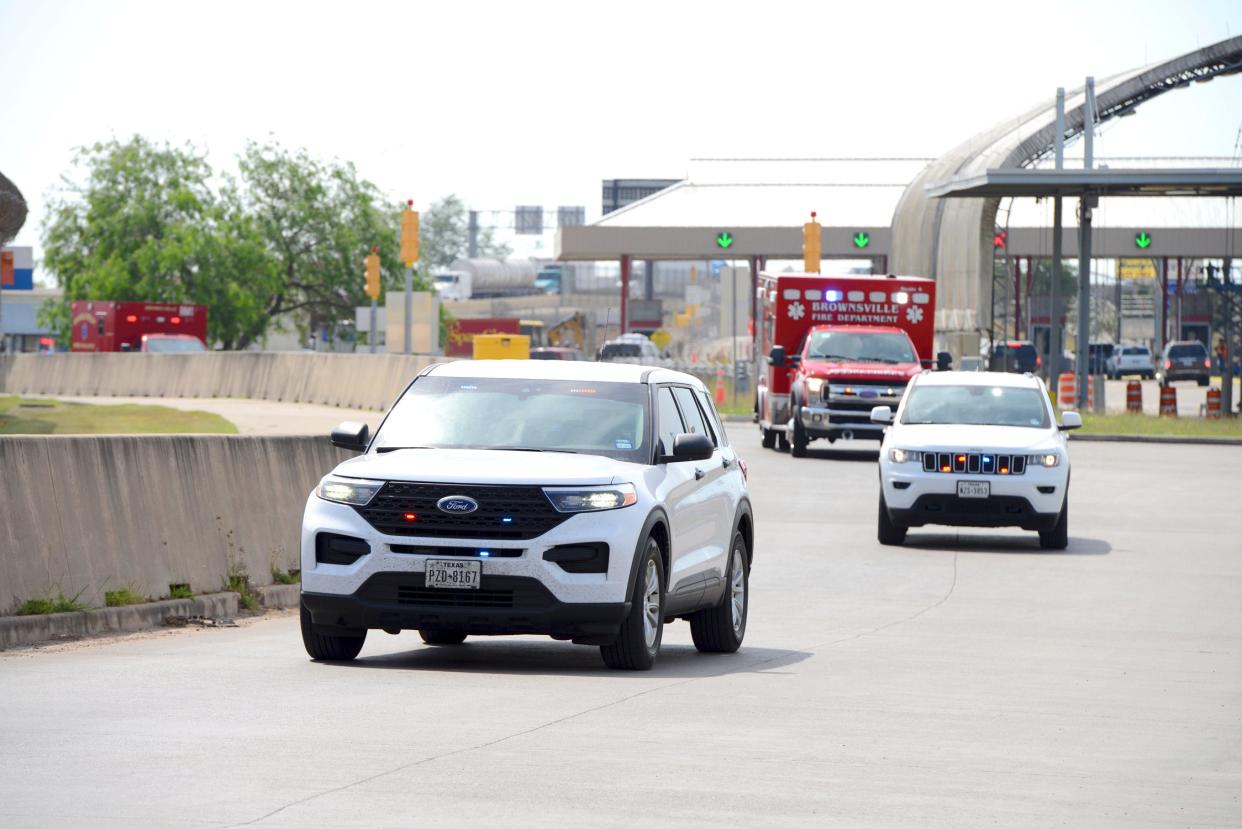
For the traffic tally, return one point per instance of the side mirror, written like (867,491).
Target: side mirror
(1071,421)
(944,361)
(776,357)
(352,435)
(881,414)
(692,447)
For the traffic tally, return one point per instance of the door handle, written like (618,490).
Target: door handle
(699,473)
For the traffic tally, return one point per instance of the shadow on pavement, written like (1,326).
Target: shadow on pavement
(952,542)
(834,454)
(505,655)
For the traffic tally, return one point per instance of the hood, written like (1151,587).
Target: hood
(958,437)
(482,466)
(860,370)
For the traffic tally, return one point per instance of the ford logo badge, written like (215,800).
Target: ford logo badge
(868,393)
(457,504)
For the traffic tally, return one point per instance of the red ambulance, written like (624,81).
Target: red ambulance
(128,326)
(832,347)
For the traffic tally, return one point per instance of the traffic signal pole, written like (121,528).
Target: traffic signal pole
(409,309)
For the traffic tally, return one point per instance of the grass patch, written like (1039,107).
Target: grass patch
(60,604)
(20,416)
(122,597)
(1141,424)
(239,583)
(180,591)
(281,577)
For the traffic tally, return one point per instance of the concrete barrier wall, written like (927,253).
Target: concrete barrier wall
(90,514)
(356,381)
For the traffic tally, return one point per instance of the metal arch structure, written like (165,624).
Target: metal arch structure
(950,240)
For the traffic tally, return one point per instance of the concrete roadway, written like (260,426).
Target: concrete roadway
(967,679)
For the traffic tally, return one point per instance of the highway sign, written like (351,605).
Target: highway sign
(1136,268)
(1142,240)
(861,240)
(724,240)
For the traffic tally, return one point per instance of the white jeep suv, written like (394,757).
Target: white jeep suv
(975,449)
(582,501)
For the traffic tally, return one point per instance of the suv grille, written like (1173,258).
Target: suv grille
(505,512)
(974,463)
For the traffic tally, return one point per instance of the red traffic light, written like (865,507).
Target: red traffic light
(1000,238)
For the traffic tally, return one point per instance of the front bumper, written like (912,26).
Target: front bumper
(1031,501)
(826,422)
(501,605)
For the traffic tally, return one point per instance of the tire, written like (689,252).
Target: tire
(782,442)
(887,532)
(323,647)
(1057,538)
(797,446)
(722,628)
(442,637)
(638,642)
(1203,381)
(769,438)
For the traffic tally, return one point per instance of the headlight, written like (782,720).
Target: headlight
(1046,459)
(814,385)
(353,491)
(591,499)
(904,455)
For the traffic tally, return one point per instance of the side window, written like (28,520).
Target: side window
(690,412)
(668,420)
(713,419)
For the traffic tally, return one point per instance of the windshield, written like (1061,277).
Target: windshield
(976,405)
(1182,351)
(446,278)
(169,345)
(536,415)
(868,347)
(614,351)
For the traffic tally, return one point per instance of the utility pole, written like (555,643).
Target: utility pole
(1085,203)
(472,235)
(1226,368)
(1054,314)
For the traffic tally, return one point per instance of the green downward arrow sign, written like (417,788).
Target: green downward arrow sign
(861,240)
(1143,240)
(724,240)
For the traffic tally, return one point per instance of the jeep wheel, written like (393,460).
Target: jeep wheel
(442,637)
(638,641)
(327,647)
(1057,538)
(888,532)
(720,629)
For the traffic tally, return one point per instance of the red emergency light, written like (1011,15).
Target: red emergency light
(132,318)
(175,320)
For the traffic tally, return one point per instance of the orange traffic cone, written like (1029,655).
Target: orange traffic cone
(720,392)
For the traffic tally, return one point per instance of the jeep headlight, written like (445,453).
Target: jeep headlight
(592,498)
(904,455)
(1045,459)
(357,492)
(814,386)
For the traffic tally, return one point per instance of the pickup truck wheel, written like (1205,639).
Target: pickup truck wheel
(442,637)
(782,442)
(800,439)
(638,641)
(720,629)
(889,533)
(327,647)
(1057,538)
(769,438)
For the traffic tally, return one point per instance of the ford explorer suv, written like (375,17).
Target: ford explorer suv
(975,449)
(1129,360)
(583,501)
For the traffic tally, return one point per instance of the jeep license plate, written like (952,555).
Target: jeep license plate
(974,489)
(458,575)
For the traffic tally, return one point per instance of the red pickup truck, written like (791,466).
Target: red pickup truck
(831,348)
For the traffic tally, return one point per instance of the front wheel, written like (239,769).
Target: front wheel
(327,647)
(800,440)
(1057,538)
(769,438)
(638,641)
(720,629)
(442,637)
(889,533)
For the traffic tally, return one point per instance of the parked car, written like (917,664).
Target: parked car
(585,502)
(172,344)
(1129,360)
(1184,360)
(556,353)
(1099,354)
(1014,355)
(972,364)
(975,449)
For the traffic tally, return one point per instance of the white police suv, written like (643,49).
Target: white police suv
(583,501)
(975,449)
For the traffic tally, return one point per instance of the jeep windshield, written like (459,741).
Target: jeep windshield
(607,419)
(871,347)
(976,405)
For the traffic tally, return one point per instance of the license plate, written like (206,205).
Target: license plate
(458,575)
(974,489)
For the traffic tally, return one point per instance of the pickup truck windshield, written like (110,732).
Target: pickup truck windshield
(533,415)
(976,405)
(874,347)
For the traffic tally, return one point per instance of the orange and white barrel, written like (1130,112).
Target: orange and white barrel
(1213,402)
(1168,401)
(1134,396)
(1067,397)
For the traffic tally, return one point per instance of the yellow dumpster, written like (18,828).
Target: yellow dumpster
(501,347)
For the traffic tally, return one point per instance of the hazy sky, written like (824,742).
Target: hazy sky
(535,102)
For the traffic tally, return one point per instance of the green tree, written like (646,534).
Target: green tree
(445,235)
(139,221)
